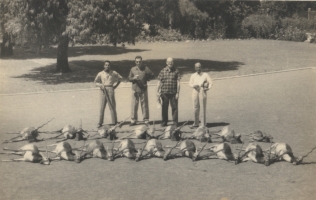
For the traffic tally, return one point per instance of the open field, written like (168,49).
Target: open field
(281,104)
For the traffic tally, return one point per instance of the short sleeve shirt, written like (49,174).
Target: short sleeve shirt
(168,79)
(108,78)
(144,75)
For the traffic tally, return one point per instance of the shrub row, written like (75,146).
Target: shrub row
(253,26)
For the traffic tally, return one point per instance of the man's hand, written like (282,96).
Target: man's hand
(196,86)
(177,95)
(102,87)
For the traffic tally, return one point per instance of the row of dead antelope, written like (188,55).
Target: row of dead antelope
(141,132)
(154,148)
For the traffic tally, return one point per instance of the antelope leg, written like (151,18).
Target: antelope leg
(10,141)
(15,153)
(13,160)
(54,137)
(61,140)
(246,159)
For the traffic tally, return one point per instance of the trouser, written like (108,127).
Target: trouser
(141,97)
(166,98)
(107,96)
(199,97)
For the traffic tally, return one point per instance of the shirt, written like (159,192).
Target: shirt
(108,79)
(168,79)
(199,79)
(144,75)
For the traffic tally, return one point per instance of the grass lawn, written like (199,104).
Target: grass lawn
(26,72)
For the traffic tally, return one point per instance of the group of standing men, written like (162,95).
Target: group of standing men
(168,88)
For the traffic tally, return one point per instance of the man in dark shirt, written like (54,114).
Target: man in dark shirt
(168,89)
(139,76)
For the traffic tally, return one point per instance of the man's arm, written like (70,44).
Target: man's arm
(210,82)
(119,78)
(117,84)
(178,88)
(159,88)
(150,74)
(98,81)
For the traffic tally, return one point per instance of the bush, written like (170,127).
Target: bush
(291,34)
(300,23)
(163,35)
(259,26)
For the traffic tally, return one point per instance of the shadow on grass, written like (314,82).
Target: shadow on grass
(85,71)
(20,53)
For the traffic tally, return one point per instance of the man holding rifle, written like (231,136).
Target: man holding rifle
(108,80)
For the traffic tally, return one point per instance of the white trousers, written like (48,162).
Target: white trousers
(199,97)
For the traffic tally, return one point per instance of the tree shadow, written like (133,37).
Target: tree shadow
(21,53)
(85,71)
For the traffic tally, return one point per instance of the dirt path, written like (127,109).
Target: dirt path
(282,105)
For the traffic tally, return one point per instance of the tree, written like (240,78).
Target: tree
(9,26)
(118,20)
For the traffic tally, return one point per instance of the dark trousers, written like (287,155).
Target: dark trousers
(166,98)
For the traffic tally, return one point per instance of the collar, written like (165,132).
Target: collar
(110,72)
(170,70)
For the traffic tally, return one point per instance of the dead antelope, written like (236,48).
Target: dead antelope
(143,132)
(283,151)
(222,151)
(228,135)
(172,132)
(153,148)
(254,153)
(186,148)
(30,134)
(64,151)
(71,132)
(95,149)
(30,153)
(126,148)
(202,134)
(106,131)
(260,136)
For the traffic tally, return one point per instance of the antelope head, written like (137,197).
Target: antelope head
(79,157)
(138,155)
(45,159)
(159,154)
(297,161)
(237,159)
(110,154)
(167,154)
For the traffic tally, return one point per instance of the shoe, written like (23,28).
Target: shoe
(99,125)
(132,124)
(146,123)
(193,126)
(163,124)
(175,124)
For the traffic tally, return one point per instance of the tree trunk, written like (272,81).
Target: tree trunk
(6,46)
(62,55)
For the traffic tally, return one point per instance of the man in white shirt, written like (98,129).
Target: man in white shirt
(107,80)
(200,82)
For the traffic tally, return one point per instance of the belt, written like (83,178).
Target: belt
(108,85)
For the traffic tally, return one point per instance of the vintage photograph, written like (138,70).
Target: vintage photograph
(157,99)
